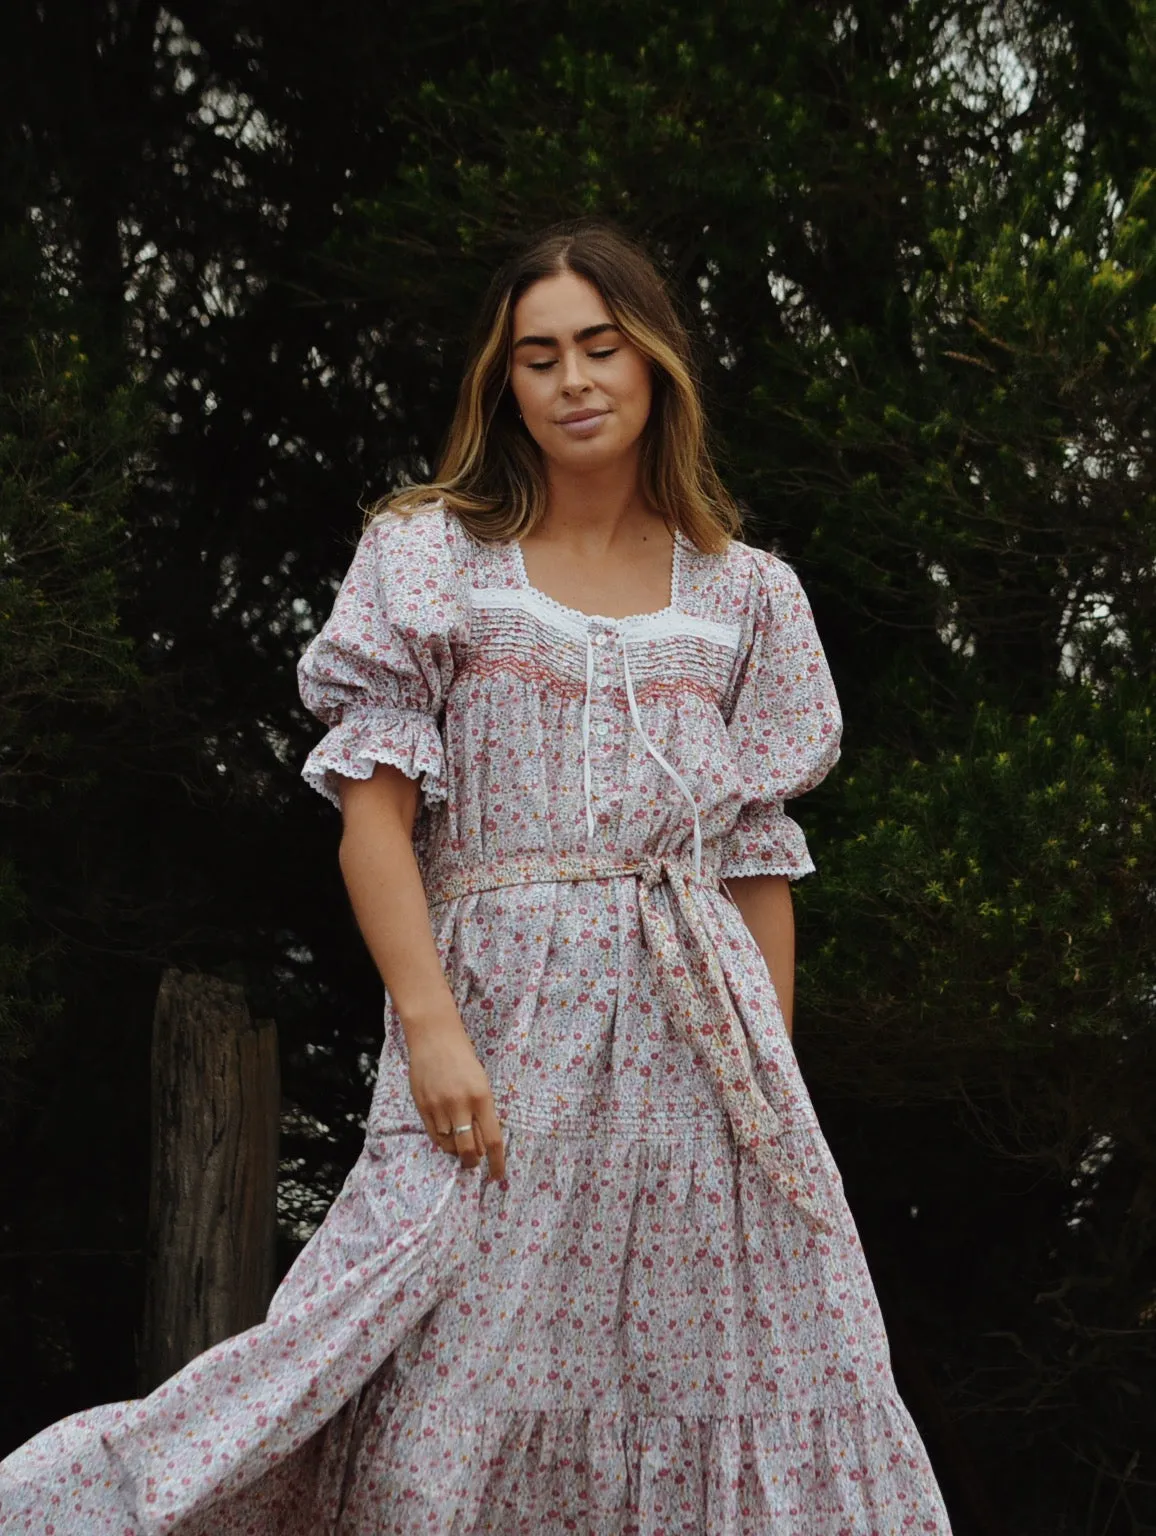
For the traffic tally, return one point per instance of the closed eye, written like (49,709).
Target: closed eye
(604,352)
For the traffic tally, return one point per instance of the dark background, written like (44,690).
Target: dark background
(241,249)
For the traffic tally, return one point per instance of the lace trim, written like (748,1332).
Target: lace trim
(601,618)
(767,866)
(667,624)
(353,749)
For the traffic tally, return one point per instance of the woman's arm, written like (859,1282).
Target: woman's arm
(388,898)
(448,1082)
(765,903)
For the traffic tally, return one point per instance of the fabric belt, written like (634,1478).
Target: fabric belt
(689,980)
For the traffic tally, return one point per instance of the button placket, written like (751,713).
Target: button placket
(606,665)
(601,641)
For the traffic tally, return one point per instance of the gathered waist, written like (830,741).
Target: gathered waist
(447,882)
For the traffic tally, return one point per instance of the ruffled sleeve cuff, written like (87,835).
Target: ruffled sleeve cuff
(775,846)
(403,738)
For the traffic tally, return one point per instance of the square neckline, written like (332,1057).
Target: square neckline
(603,618)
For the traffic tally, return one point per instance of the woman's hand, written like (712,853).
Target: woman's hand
(450,1088)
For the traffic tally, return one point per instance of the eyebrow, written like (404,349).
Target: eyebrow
(585,334)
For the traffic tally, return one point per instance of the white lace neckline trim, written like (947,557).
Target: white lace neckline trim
(664,625)
(603,619)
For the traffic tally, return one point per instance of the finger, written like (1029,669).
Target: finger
(490,1130)
(466,1141)
(437,1131)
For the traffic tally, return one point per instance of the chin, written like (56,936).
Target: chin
(591,456)
(601,449)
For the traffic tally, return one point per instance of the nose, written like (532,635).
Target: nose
(574,380)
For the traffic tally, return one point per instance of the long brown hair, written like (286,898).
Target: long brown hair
(490,472)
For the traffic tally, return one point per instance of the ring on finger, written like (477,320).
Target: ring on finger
(461,1130)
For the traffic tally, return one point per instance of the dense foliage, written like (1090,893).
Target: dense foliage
(68,448)
(917,242)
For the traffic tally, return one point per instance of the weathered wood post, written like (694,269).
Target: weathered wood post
(212,1201)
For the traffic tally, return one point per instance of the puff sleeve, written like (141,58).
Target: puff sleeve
(784,726)
(378,671)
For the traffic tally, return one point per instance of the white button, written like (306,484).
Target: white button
(601,729)
(597,639)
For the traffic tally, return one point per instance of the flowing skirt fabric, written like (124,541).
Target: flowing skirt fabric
(631,1333)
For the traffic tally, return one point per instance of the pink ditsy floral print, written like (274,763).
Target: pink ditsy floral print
(644,1329)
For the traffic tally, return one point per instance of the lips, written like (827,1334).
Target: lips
(578,416)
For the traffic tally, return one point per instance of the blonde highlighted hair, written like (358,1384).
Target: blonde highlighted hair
(490,472)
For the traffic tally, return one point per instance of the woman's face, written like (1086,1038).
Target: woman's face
(583,389)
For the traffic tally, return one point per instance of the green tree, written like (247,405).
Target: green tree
(917,238)
(68,452)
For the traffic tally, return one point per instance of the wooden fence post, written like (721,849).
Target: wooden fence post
(212,1200)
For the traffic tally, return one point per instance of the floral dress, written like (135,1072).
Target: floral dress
(659,1323)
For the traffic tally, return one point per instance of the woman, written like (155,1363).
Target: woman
(594,1271)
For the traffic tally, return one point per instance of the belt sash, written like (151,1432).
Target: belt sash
(689,979)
